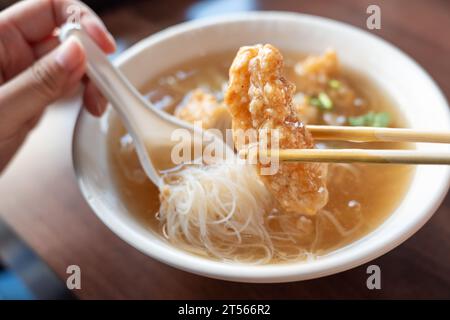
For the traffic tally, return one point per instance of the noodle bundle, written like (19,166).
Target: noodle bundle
(225,211)
(219,208)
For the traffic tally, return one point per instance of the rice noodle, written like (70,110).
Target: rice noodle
(339,227)
(225,211)
(219,208)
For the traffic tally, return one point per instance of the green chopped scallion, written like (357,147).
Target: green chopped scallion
(381,119)
(357,121)
(314,102)
(370,119)
(334,84)
(325,102)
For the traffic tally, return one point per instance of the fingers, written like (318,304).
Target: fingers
(46,15)
(75,11)
(45,46)
(93,100)
(48,79)
(34,19)
(98,32)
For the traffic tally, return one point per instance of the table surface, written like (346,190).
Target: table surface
(40,199)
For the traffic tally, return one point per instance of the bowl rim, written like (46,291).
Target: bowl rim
(272,273)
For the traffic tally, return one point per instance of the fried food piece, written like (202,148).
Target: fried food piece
(322,73)
(258,97)
(326,64)
(203,106)
(308,113)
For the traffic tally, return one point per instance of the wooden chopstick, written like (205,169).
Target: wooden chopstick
(367,134)
(358,155)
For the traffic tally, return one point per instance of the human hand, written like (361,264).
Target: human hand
(35,70)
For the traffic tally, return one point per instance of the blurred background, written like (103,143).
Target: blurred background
(34,251)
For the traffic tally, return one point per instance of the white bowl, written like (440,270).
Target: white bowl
(404,80)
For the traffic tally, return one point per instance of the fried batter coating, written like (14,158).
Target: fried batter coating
(326,64)
(313,76)
(308,113)
(203,106)
(259,97)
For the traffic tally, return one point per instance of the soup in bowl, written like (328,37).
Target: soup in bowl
(229,221)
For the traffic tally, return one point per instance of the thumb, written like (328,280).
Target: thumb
(44,82)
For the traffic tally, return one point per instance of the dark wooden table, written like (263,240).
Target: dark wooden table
(40,200)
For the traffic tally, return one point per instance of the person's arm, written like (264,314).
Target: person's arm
(35,70)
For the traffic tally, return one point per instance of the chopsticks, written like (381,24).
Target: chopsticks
(358,155)
(369,134)
(365,134)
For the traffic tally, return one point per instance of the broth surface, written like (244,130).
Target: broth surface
(361,196)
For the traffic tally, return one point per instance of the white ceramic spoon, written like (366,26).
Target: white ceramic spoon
(150,128)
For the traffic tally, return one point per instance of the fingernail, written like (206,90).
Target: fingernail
(69,55)
(108,34)
(96,28)
(106,31)
(111,40)
(100,104)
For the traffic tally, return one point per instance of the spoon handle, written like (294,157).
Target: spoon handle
(109,80)
(133,109)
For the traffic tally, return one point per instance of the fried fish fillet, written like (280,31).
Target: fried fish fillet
(259,97)
(203,106)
